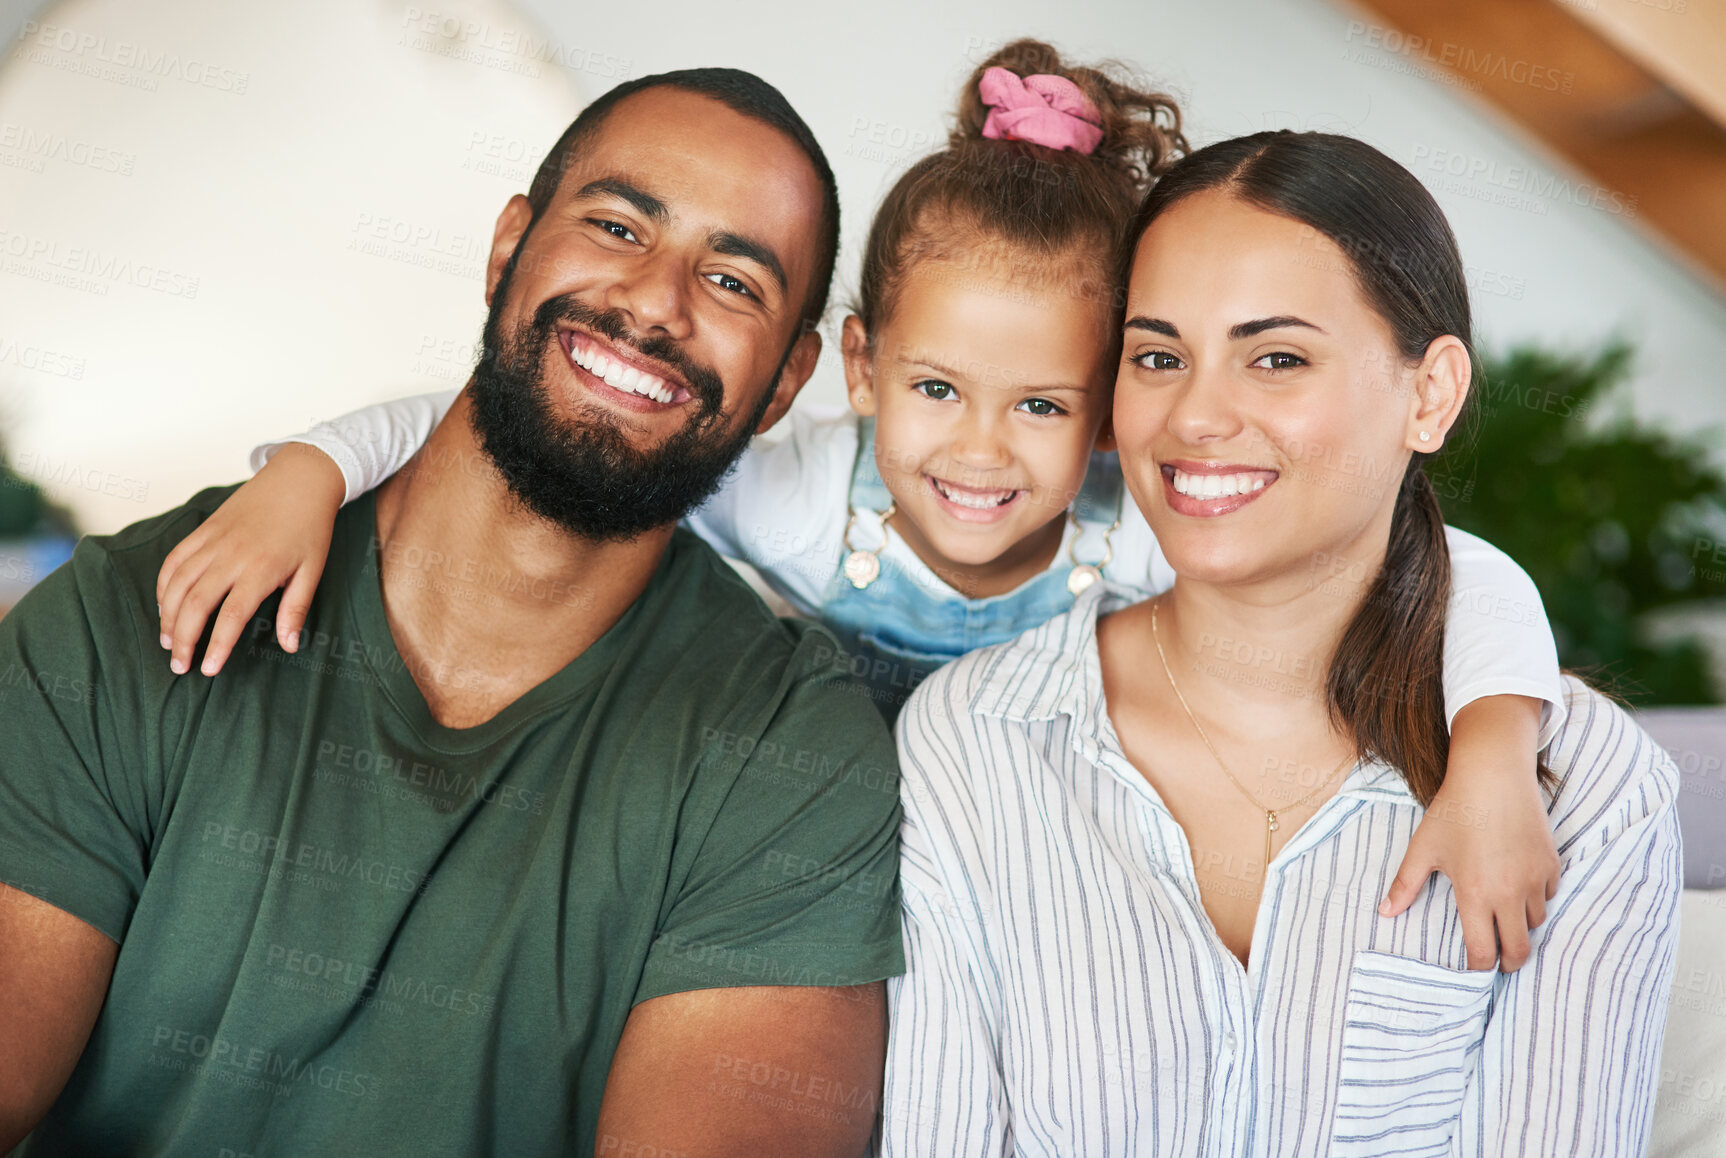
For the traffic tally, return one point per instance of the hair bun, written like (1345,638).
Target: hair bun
(1141,129)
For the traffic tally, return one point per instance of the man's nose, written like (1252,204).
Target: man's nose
(654,294)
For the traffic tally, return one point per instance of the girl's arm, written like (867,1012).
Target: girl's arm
(274,531)
(1487,829)
(1570,1059)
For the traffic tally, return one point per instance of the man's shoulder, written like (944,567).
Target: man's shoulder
(793,667)
(120,569)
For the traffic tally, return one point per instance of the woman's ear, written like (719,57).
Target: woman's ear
(859,366)
(1439,389)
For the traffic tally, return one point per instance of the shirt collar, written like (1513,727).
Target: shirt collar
(1054,671)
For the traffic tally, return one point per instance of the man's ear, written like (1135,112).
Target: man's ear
(1440,387)
(859,366)
(798,367)
(517,215)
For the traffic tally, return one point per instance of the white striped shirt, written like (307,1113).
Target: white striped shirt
(1067,995)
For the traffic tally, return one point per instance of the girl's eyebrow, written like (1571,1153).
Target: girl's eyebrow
(949,372)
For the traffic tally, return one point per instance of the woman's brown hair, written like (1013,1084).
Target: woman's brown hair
(1041,206)
(1385,687)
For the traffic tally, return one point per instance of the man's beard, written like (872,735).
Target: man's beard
(583,474)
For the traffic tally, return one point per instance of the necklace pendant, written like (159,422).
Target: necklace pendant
(1271,821)
(1081,578)
(862,568)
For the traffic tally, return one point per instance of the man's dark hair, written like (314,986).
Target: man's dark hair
(743,92)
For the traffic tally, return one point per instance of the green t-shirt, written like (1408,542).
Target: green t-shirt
(347,929)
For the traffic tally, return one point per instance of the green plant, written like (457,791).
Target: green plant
(1612,519)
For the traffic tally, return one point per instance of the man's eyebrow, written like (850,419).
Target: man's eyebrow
(1260,325)
(736,245)
(645,203)
(1154,325)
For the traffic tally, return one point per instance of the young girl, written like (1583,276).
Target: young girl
(971,495)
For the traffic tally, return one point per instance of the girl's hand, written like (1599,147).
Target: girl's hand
(1487,830)
(274,531)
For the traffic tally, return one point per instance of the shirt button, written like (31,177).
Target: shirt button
(1229,1042)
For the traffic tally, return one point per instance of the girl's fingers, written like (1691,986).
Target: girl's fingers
(237,611)
(191,616)
(182,551)
(296,605)
(1478,936)
(1512,942)
(1535,911)
(172,599)
(1411,877)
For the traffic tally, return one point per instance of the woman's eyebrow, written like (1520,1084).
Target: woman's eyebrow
(1154,325)
(1254,328)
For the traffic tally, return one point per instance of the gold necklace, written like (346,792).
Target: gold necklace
(1271,824)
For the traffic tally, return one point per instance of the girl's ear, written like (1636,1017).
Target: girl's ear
(859,366)
(1440,387)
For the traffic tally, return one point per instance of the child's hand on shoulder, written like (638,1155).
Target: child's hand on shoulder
(273,532)
(1487,830)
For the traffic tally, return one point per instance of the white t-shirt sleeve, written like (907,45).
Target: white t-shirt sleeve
(783,508)
(1497,640)
(370,445)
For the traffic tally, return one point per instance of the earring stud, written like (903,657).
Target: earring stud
(1425,437)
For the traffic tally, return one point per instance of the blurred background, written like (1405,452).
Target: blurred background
(223,221)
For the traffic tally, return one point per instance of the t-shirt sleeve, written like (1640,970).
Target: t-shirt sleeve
(76,805)
(797,878)
(371,444)
(783,508)
(1497,640)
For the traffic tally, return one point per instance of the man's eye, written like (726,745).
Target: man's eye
(726,282)
(930,388)
(1157,360)
(1280,360)
(619,231)
(1041,407)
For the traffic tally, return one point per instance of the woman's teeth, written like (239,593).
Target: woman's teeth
(976,500)
(1216,486)
(620,377)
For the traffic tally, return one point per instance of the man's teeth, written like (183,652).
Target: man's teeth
(621,377)
(977,502)
(1216,486)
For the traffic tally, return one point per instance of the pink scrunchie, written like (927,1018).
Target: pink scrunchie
(1042,109)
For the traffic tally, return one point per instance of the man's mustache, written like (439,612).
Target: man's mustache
(704,381)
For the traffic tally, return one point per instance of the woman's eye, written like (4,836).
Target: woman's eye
(1041,407)
(929,388)
(730,284)
(619,231)
(1157,360)
(1280,360)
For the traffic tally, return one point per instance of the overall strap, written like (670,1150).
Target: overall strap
(868,492)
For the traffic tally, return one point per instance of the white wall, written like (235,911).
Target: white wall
(349,118)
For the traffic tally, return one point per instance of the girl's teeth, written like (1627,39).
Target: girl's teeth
(1216,486)
(975,502)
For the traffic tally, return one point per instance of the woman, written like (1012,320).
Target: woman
(1141,845)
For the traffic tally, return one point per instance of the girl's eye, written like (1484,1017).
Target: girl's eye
(1280,360)
(621,232)
(732,285)
(1157,360)
(929,388)
(1041,407)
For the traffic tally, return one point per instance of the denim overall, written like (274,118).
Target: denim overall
(894,632)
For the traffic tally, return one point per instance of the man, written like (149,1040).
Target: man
(549,838)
